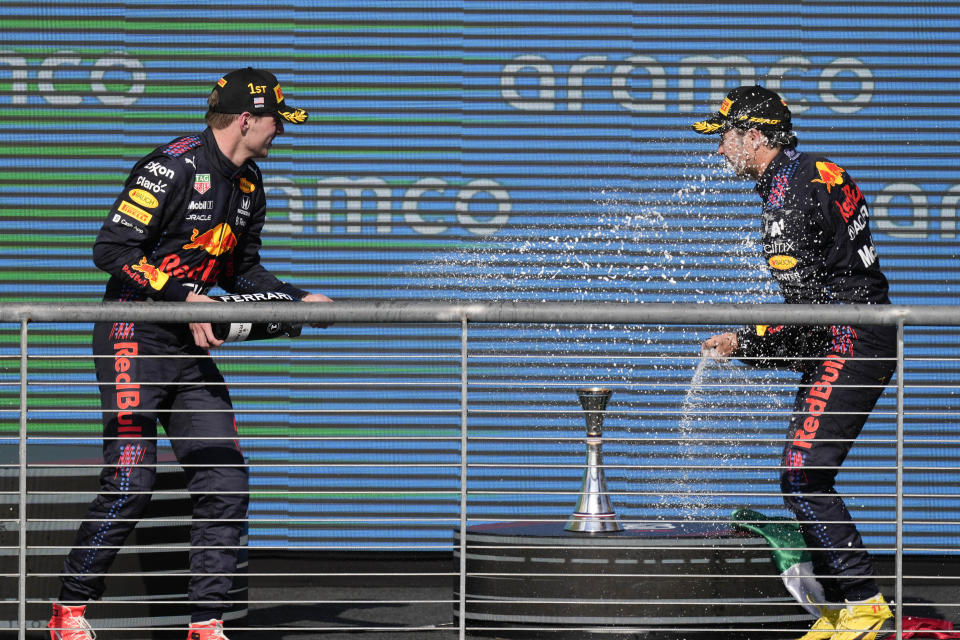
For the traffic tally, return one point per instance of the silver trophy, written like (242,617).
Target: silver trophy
(594,513)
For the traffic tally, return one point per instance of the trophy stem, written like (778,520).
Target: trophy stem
(594,512)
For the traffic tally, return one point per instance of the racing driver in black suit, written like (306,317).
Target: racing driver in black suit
(816,240)
(189,217)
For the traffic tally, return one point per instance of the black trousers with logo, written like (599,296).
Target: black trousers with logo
(142,382)
(836,395)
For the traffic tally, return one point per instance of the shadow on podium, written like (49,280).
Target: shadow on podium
(146,596)
(414,596)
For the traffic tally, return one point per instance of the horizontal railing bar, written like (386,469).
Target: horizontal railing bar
(292,630)
(474,385)
(501,465)
(476,412)
(473,546)
(454,519)
(552,357)
(394,312)
(309,574)
(562,356)
(473,492)
(739,438)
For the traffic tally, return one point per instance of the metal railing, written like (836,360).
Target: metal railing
(464,315)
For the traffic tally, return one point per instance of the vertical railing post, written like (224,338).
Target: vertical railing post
(463,477)
(898,558)
(22,509)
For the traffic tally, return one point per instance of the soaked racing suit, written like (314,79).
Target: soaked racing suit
(817,243)
(187,219)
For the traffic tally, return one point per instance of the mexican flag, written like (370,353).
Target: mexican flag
(792,559)
(790,556)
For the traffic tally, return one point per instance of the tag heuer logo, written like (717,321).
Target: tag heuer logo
(201,183)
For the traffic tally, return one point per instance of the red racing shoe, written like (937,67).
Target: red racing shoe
(210,630)
(68,623)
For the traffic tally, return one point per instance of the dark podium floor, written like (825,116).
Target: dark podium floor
(418,606)
(415,602)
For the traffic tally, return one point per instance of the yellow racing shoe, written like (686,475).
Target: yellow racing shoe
(865,620)
(825,626)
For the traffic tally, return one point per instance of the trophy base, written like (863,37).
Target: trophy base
(536,579)
(594,523)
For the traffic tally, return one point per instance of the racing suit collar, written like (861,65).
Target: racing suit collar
(217,159)
(763,184)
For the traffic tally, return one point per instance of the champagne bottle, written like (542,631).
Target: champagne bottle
(245,331)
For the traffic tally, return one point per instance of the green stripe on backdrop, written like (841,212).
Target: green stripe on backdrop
(14,117)
(381,369)
(82,150)
(349,496)
(88,424)
(60,298)
(34,275)
(376,243)
(113,179)
(80,23)
(378,431)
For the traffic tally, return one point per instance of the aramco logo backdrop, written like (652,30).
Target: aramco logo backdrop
(496,150)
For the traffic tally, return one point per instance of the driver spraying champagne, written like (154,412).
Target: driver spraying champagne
(816,242)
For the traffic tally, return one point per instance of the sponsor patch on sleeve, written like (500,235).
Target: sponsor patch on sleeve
(143,198)
(782,263)
(154,276)
(135,212)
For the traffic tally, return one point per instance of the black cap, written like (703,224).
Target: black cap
(748,108)
(254,91)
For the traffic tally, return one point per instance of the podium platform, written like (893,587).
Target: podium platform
(535,579)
